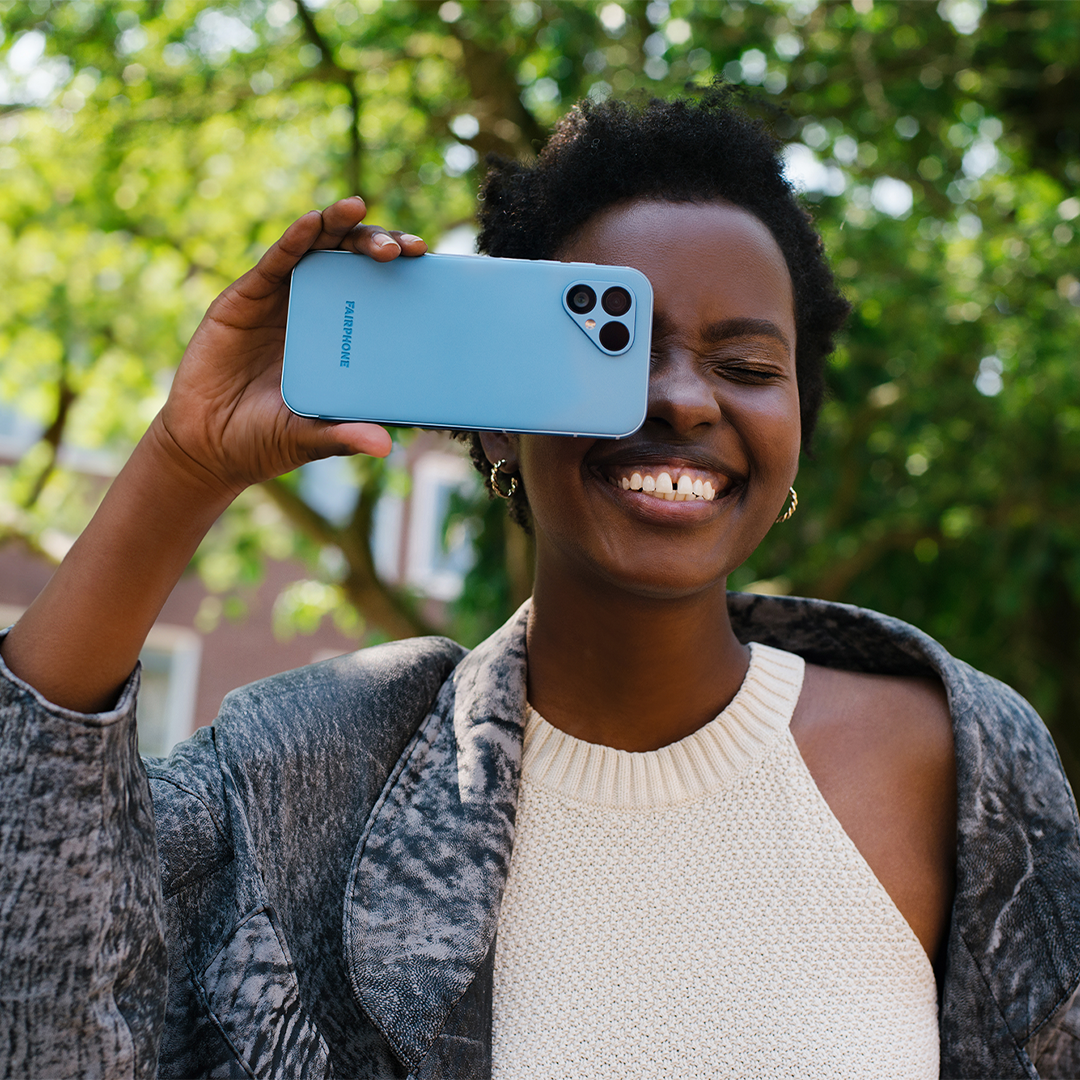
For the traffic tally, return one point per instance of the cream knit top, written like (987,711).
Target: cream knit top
(698,911)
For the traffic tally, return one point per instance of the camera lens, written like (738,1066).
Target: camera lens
(616,301)
(614,335)
(580,299)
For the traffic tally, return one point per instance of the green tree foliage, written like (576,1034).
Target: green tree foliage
(150,151)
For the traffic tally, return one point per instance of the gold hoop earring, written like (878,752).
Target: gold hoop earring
(791,509)
(495,481)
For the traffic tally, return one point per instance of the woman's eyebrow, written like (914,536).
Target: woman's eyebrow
(725,330)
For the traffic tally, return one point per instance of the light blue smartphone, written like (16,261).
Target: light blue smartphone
(458,341)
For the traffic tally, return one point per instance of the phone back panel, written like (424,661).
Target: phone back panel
(461,341)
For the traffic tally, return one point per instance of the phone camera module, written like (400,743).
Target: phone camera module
(616,301)
(581,299)
(614,336)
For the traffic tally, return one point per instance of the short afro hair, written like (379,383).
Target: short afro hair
(704,150)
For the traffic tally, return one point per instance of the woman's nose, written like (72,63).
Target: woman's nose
(680,395)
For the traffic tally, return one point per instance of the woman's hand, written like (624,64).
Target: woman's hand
(225,419)
(223,428)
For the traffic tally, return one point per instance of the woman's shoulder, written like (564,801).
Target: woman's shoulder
(347,717)
(880,749)
(893,710)
(398,677)
(996,733)
(859,640)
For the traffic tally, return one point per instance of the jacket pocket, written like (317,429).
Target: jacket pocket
(254,998)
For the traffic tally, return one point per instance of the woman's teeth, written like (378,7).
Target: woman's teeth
(661,486)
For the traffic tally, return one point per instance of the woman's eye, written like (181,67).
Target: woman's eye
(746,371)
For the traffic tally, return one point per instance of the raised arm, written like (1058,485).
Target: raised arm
(223,428)
(83,965)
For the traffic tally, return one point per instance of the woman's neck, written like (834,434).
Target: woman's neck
(631,672)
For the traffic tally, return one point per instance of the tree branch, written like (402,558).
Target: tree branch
(495,95)
(54,434)
(384,607)
(307,519)
(347,79)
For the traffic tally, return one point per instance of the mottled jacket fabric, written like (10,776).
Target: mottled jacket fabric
(311,887)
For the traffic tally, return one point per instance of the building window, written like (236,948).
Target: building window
(170,680)
(410,543)
(437,561)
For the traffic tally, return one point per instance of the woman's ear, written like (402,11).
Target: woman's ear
(500,446)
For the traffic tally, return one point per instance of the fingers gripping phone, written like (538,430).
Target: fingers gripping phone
(453,341)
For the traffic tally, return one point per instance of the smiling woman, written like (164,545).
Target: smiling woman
(647,828)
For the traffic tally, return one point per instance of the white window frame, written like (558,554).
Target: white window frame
(430,473)
(183,649)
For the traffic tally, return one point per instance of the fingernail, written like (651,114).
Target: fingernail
(383,240)
(409,238)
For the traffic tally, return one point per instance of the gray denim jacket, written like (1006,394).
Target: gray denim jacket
(311,887)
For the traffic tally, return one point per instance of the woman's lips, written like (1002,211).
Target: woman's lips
(670,483)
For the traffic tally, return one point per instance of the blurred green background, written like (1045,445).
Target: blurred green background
(149,152)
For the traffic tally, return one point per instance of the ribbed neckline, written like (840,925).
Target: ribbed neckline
(686,770)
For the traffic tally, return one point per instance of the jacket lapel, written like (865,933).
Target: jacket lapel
(426,884)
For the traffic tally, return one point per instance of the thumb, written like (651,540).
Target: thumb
(343,439)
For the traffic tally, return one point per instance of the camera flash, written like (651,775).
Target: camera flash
(590,324)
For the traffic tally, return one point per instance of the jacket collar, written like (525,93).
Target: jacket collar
(426,884)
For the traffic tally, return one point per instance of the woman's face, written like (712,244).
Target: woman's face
(723,410)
